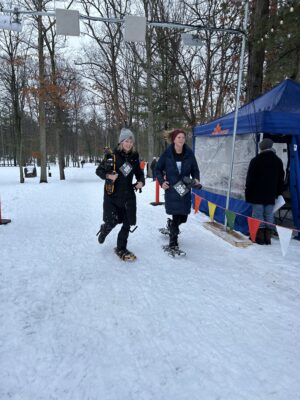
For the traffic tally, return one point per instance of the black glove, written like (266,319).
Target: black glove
(135,188)
(191,183)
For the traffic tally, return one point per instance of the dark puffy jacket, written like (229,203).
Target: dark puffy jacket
(265,178)
(123,188)
(166,166)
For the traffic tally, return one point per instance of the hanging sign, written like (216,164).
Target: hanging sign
(191,40)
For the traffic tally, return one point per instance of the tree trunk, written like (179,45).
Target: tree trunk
(42,112)
(150,102)
(60,144)
(256,50)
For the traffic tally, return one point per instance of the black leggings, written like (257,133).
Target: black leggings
(179,219)
(176,221)
(123,234)
(114,214)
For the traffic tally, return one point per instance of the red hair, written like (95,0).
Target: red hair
(176,132)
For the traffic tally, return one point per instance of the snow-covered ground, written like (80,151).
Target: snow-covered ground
(76,323)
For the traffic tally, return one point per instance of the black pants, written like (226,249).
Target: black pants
(114,213)
(123,234)
(174,228)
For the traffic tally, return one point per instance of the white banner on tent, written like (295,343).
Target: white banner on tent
(285,236)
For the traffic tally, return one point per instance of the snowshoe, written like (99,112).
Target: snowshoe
(174,251)
(125,255)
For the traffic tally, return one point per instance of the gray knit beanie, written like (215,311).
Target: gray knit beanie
(266,144)
(126,134)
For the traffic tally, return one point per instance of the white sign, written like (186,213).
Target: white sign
(135,29)
(67,22)
(6,23)
(191,40)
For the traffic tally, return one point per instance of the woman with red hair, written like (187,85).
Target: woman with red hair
(175,166)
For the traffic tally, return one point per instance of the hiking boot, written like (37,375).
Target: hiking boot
(260,236)
(268,235)
(169,221)
(173,241)
(103,232)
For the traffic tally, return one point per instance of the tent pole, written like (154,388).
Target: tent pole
(237,105)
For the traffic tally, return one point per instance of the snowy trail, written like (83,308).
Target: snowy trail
(79,324)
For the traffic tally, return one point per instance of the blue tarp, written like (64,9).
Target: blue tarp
(277,112)
(240,207)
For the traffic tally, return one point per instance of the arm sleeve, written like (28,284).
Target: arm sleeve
(249,178)
(160,169)
(280,187)
(138,172)
(100,171)
(195,169)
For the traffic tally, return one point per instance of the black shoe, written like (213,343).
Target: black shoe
(173,242)
(169,221)
(268,235)
(260,236)
(103,232)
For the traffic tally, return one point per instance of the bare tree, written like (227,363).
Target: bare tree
(256,47)
(102,67)
(14,77)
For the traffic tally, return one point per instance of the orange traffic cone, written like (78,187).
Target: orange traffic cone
(157,202)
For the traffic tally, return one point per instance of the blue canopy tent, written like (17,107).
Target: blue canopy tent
(275,114)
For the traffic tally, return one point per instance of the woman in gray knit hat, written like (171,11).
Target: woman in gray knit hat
(119,205)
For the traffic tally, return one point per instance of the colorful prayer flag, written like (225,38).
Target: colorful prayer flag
(211,209)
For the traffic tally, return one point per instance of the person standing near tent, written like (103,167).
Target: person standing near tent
(119,206)
(174,166)
(264,183)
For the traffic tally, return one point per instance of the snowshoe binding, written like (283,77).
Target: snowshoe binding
(125,255)
(174,251)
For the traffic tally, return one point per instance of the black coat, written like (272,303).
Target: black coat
(265,178)
(153,165)
(166,166)
(123,197)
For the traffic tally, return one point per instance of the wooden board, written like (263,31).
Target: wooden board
(232,237)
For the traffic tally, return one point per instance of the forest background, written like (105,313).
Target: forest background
(66,99)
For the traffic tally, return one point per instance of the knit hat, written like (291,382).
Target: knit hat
(176,132)
(266,144)
(126,134)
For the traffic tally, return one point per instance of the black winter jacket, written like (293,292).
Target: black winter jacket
(166,166)
(265,178)
(123,186)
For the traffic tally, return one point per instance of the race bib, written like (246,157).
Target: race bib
(181,188)
(126,168)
